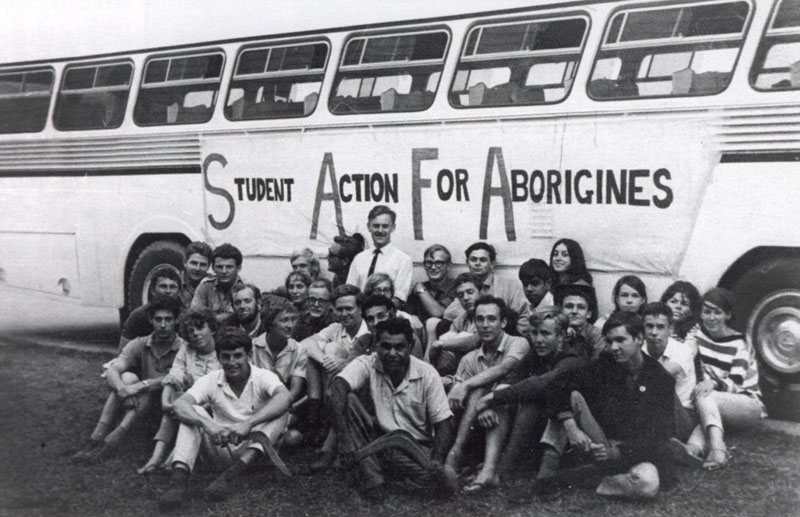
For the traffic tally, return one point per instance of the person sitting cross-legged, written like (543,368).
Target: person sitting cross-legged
(412,428)
(619,412)
(250,410)
(135,378)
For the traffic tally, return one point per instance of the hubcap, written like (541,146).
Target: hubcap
(774,328)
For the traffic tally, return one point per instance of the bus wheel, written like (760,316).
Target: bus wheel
(770,295)
(158,253)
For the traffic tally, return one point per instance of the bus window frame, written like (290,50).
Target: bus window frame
(398,31)
(664,43)
(520,54)
(146,61)
(267,44)
(97,65)
(760,54)
(50,96)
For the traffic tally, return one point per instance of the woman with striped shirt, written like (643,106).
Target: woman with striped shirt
(731,375)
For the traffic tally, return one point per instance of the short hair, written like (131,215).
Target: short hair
(322,283)
(720,297)
(488,299)
(630,320)
(395,326)
(379,210)
(536,268)
(633,282)
(434,248)
(162,302)
(167,271)
(198,318)
(242,287)
(376,279)
(344,290)
(313,261)
(302,275)
(657,309)
(480,245)
(349,245)
(227,251)
(375,300)
(199,247)
(468,278)
(551,312)
(271,306)
(232,338)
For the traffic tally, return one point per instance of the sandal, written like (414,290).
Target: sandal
(716,459)
(480,486)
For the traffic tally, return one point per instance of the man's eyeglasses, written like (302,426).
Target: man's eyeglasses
(434,263)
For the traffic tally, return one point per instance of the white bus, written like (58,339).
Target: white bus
(664,136)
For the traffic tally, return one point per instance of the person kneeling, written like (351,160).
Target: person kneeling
(409,402)
(250,410)
(619,411)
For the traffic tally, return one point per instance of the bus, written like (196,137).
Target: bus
(663,135)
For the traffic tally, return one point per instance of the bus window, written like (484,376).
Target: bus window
(179,89)
(669,51)
(277,81)
(394,72)
(24,100)
(518,63)
(93,97)
(776,66)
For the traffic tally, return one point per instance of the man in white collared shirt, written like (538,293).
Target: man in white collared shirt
(250,411)
(383,257)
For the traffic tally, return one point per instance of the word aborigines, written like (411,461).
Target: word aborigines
(599,186)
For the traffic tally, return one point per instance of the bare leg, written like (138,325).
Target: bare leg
(495,438)
(464,426)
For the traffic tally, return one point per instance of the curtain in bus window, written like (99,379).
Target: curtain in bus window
(776,66)
(93,97)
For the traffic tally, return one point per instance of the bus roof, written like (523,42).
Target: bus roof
(37,30)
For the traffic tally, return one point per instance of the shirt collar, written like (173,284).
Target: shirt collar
(500,348)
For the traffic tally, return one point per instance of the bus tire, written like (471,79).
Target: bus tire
(768,300)
(155,254)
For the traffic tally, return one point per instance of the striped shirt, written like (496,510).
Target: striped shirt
(730,362)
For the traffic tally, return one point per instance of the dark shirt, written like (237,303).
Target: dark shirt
(138,324)
(445,293)
(640,414)
(308,326)
(531,377)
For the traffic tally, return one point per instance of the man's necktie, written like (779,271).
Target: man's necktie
(374,261)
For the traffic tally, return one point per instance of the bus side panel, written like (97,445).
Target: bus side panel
(116,210)
(745,207)
(38,239)
(519,185)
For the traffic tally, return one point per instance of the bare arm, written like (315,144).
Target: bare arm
(460,343)
(277,406)
(297,386)
(442,439)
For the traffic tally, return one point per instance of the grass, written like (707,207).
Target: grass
(53,397)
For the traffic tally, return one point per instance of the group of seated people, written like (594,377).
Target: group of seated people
(423,383)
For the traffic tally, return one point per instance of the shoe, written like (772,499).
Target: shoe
(178,493)
(105,451)
(88,451)
(222,487)
(682,455)
(324,463)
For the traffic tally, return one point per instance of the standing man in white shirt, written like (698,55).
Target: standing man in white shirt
(383,257)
